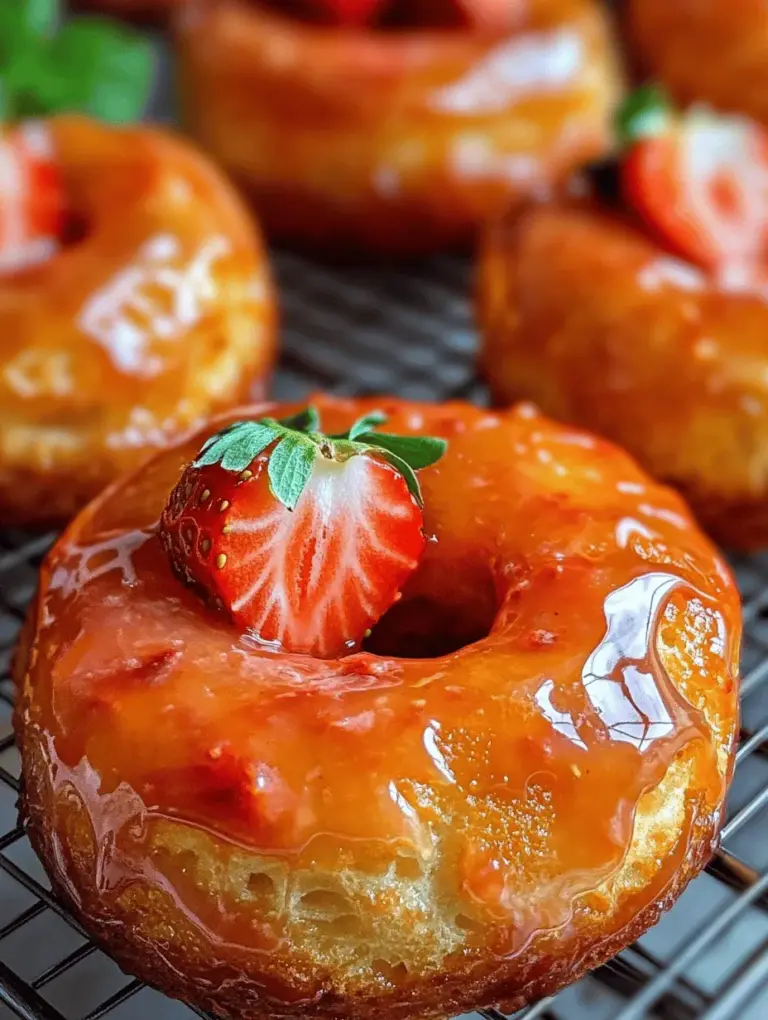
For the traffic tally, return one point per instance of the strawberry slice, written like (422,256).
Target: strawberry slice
(31,196)
(700,181)
(304,539)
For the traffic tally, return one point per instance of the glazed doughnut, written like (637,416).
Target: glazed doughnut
(389,834)
(713,51)
(397,141)
(157,313)
(585,314)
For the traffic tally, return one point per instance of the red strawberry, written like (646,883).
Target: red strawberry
(700,181)
(304,539)
(31,196)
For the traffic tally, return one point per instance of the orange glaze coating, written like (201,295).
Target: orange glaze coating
(267,834)
(710,51)
(398,142)
(582,312)
(161,313)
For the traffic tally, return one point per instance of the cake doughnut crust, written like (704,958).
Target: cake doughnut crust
(161,313)
(706,51)
(270,835)
(396,142)
(583,313)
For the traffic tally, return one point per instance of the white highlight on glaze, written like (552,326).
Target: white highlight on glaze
(561,722)
(39,373)
(630,488)
(631,708)
(627,527)
(514,70)
(438,760)
(667,271)
(152,299)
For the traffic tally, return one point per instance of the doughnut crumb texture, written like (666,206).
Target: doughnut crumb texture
(415,831)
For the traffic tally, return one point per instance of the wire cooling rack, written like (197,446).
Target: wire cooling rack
(409,332)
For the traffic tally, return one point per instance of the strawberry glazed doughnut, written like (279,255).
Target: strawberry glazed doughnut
(396,136)
(155,312)
(640,310)
(520,769)
(712,51)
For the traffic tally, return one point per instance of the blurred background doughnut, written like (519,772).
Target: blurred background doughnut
(151,307)
(399,135)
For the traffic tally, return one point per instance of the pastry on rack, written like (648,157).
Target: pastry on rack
(712,51)
(400,131)
(153,308)
(443,706)
(135,297)
(637,306)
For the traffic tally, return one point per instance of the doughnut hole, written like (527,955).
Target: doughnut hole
(427,626)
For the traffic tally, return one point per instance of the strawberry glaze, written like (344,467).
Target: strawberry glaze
(586,573)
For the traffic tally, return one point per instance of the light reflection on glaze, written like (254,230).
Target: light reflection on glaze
(157,297)
(515,69)
(563,716)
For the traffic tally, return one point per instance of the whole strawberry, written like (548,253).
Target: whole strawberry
(304,539)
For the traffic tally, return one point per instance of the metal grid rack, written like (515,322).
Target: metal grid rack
(409,331)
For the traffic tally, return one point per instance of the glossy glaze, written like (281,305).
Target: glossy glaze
(520,760)
(582,312)
(159,311)
(399,141)
(711,51)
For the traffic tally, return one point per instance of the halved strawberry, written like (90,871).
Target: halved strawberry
(304,539)
(699,180)
(31,196)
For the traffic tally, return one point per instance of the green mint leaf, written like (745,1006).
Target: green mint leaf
(366,423)
(307,420)
(236,446)
(645,113)
(24,24)
(417,451)
(99,68)
(290,468)
(406,471)
(41,17)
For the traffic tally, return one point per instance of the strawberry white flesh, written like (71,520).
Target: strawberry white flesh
(699,180)
(316,578)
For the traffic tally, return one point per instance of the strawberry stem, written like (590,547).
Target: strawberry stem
(297,441)
(645,113)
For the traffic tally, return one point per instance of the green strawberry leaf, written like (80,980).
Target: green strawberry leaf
(417,451)
(100,68)
(366,423)
(645,113)
(236,446)
(290,468)
(307,420)
(407,472)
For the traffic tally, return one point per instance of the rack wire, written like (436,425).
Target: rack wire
(408,331)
